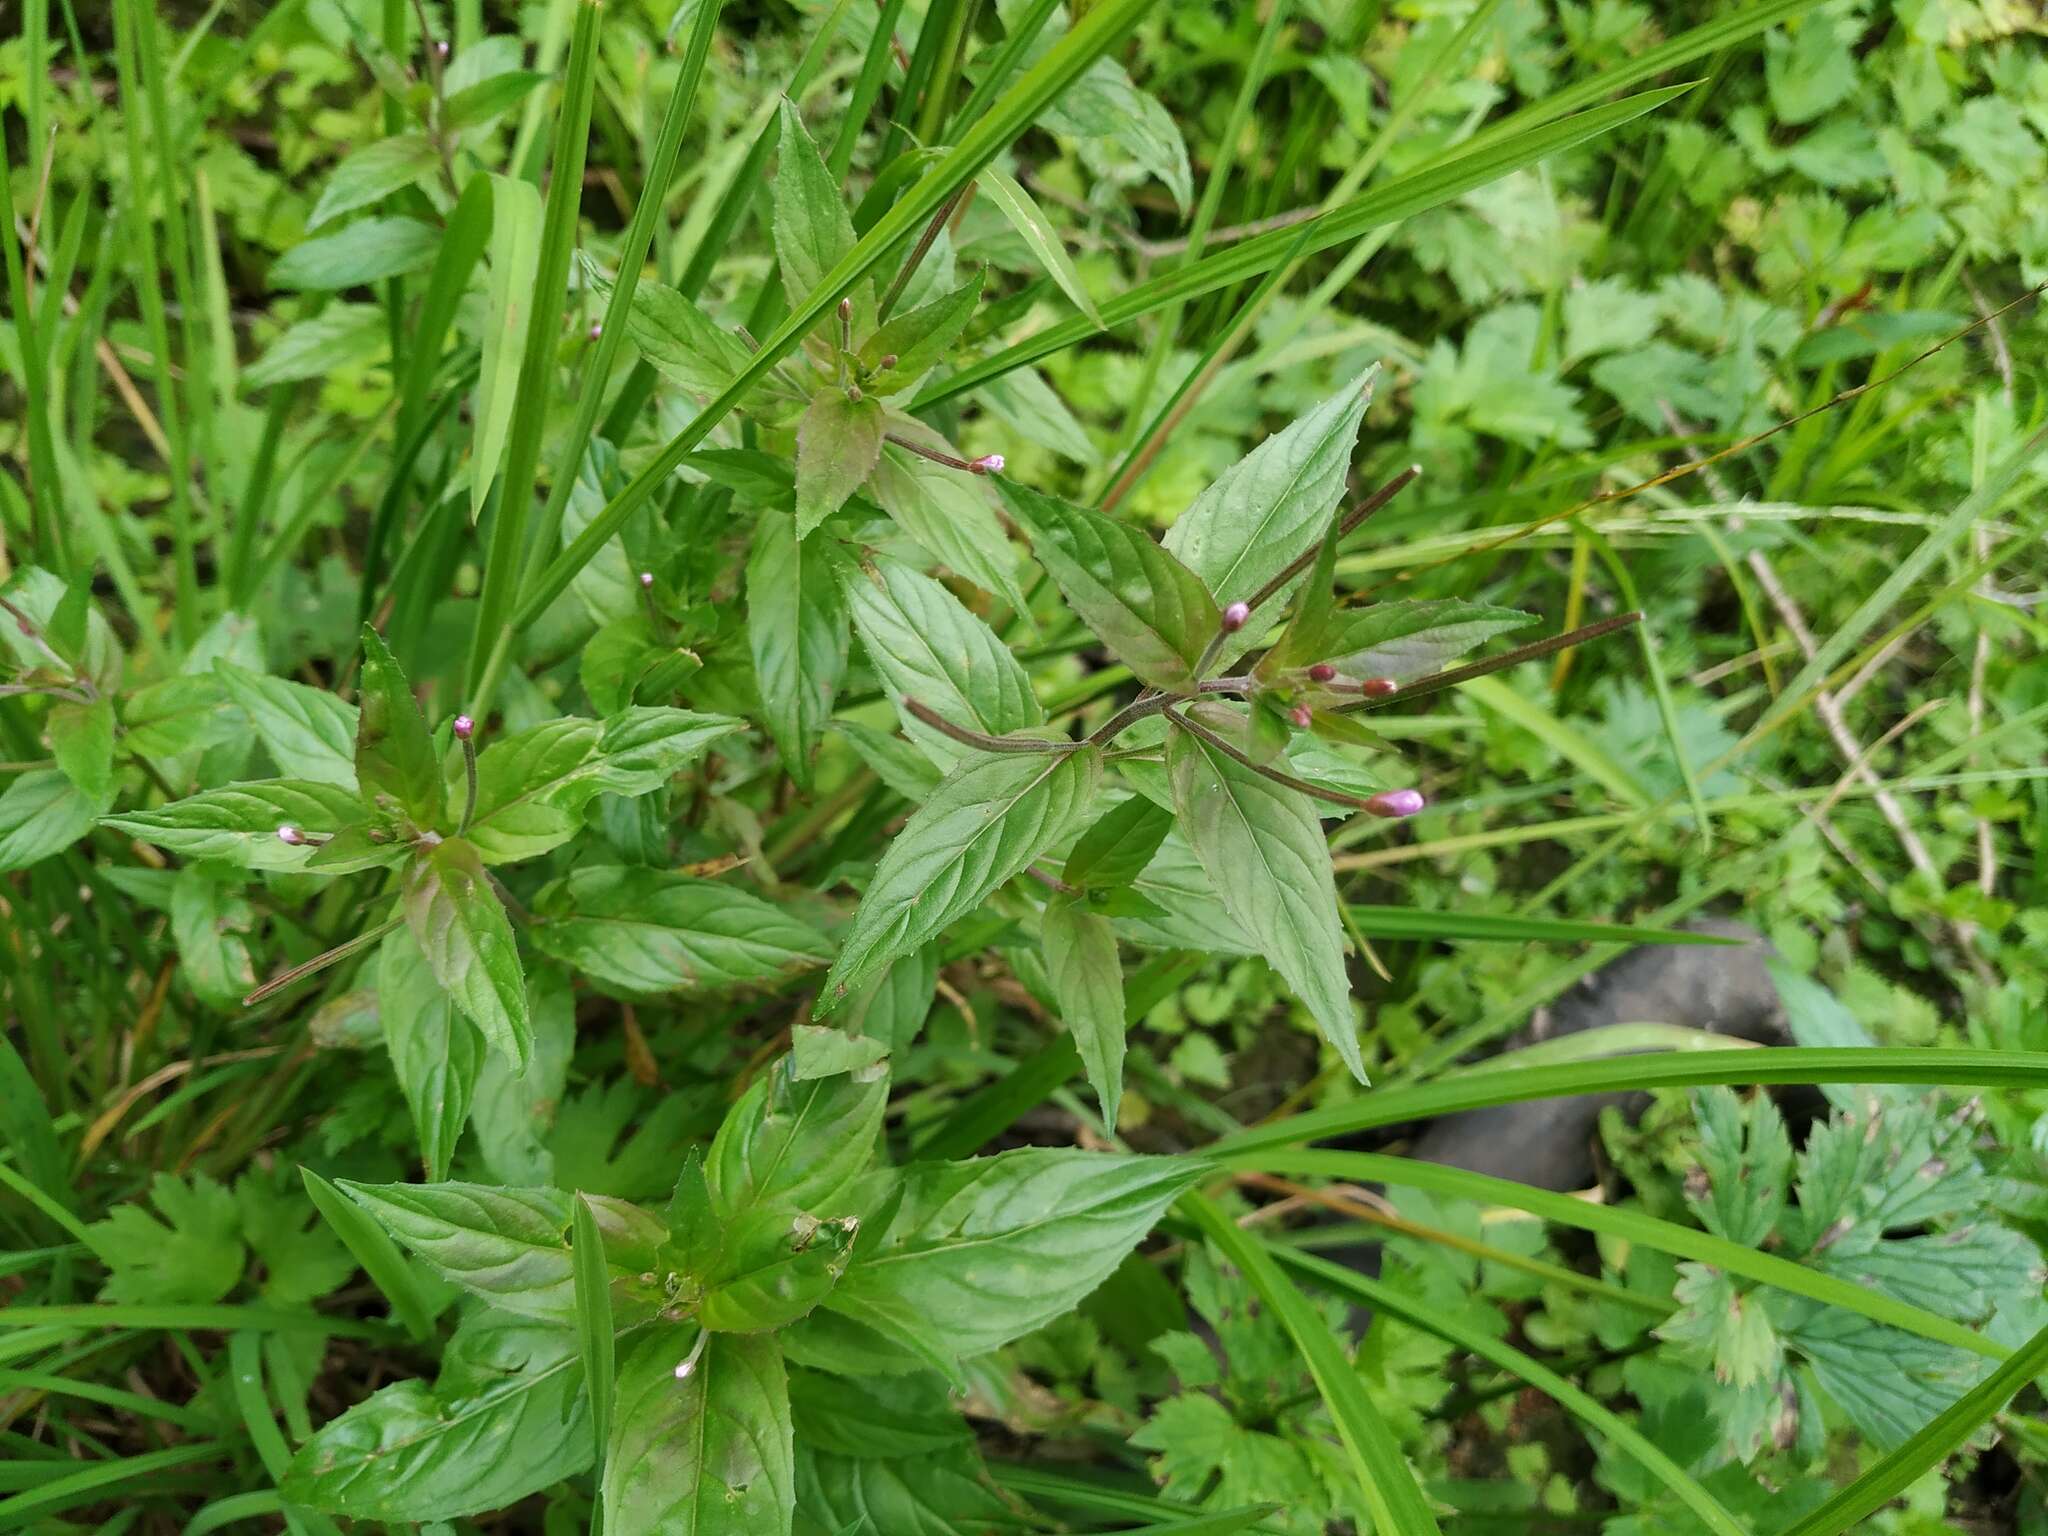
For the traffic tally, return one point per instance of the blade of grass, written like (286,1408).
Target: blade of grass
(1667,712)
(1414,923)
(735,200)
(1136,441)
(187,614)
(1082,1493)
(1391,1493)
(506,558)
(1939,1438)
(661,169)
(594,1326)
(91,1484)
(1518,707)
(1955,1067)
(1609,1040)
(34,340)
(1581,1405)
(1614,1221)
(373,1249)
(1399,199)
(179,1317)
(1087,41)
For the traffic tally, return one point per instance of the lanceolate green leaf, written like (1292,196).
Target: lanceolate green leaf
(509,1246)
(711,1454)
(395,757)
(928,647)
(643,931)
(506,1418)
(1410,638)
(592,1288)
(308,732)
(837,444)
(461,928)
(1397,1504)
(1401,198)
(1262,847)
(1275,502)
(237,822)
(982,1252)
(795,1144)
(1155,615)
(1088,984)
(797,633)
(985,824)
(435,1052)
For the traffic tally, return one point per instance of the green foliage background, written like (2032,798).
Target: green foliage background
(683,1134)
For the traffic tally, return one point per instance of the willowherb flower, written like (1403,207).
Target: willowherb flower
(1235,617)
(1396,802)
(987,464)
(463,727)
(1302,716)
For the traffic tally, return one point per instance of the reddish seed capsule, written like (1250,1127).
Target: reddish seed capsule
(1396,802)
(463,727)
(1234,617)
(1302,716)
(1379,688)
(1322,672)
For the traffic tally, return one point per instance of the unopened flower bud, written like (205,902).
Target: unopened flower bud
(888,360)
(463,727)
(596,329)
(1321,672)
(647,579)
(846,309)
(291,836)
(853,393)
(1379,688)
(1234,617)
(988,464)
(1302,716)
(1396,802)
(441,46)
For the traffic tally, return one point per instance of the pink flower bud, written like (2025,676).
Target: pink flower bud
(291,836)
(1322,672)
(464,727)
(888,360)
(1396,802)
(1302,716)
(1379,688)
(441,46)
(596,329)
(647,579)
(988,464)
(1234,617)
